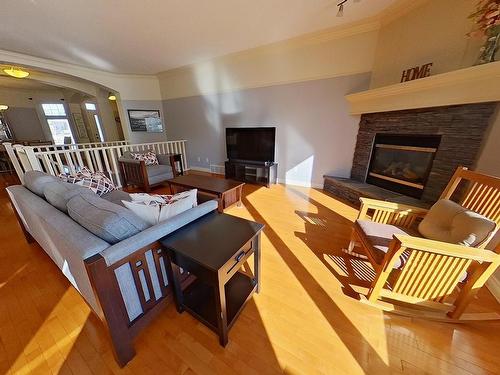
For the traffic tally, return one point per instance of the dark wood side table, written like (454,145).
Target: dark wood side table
(213,249)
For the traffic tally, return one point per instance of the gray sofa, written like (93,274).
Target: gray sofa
(111,256)
(137,173)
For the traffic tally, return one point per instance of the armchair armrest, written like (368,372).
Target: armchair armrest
(123,249)
(389,212)
(447,249)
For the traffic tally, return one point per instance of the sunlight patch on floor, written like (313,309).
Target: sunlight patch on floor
(52,342)
(300,301)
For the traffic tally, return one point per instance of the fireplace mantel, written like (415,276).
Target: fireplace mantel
(477,84)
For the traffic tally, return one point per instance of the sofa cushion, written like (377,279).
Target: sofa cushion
(106,220)
(117,196)
(36,180)
(379,237)
(449,222)
(58,193)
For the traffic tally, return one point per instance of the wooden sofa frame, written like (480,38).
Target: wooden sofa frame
(104,283)
(136,174)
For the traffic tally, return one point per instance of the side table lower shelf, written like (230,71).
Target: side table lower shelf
(199,299)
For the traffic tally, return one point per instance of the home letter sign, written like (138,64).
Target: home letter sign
(416,73)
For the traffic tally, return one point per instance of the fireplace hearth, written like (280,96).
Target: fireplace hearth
(402,163)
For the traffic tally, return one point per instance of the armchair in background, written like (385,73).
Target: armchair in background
(137,173)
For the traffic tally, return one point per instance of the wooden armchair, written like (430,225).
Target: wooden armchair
(422,275)
(145,177)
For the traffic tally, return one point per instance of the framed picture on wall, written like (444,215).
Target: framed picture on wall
(145,120)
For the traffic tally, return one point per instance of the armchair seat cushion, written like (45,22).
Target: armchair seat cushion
(158,169)
(379,236)
(449,222)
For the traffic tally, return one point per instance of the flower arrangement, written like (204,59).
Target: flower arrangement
(487,20)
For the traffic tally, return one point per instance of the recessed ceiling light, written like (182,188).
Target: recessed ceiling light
(16,72)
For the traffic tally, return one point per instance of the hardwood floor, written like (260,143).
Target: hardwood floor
(306,320)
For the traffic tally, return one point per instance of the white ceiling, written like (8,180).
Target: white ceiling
(149,36)
(23,84)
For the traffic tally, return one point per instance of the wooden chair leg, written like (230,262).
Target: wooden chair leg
(378,284)
(27,235)
(471,288)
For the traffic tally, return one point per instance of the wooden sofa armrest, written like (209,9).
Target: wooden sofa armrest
(389,212)
(134,172)
(447,249)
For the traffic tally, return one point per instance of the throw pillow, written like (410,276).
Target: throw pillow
(154,208)
(98,182)
(148,157)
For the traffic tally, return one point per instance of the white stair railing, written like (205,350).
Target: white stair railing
(99,157)
(78,145)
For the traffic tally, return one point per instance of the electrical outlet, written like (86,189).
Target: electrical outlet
(199,159)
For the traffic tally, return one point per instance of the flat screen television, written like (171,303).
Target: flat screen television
(251,144)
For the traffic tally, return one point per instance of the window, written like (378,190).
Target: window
(98,124)
(58,123)
(61,131)
(53,110)
(90,106)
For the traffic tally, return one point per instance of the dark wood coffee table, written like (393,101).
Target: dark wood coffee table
(227,192)
(213,249)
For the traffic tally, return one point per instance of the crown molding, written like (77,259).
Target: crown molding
(476,84)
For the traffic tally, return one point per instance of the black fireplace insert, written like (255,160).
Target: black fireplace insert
(402,163)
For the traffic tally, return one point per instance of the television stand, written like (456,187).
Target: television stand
(252,172)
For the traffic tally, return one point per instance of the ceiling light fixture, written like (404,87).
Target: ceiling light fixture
(112,96)
(16,72)
(3,107)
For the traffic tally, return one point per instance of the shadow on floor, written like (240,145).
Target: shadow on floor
(352,338)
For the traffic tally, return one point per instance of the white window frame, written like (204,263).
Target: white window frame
(58,117)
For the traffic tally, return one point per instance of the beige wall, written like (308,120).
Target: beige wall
(433,32)
(489,160)
(332,53)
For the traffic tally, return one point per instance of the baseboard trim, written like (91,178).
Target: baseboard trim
(493,285)
(300,183)
(201,169)
(280,180)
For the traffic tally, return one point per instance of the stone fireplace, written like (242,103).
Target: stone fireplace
(409,156)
